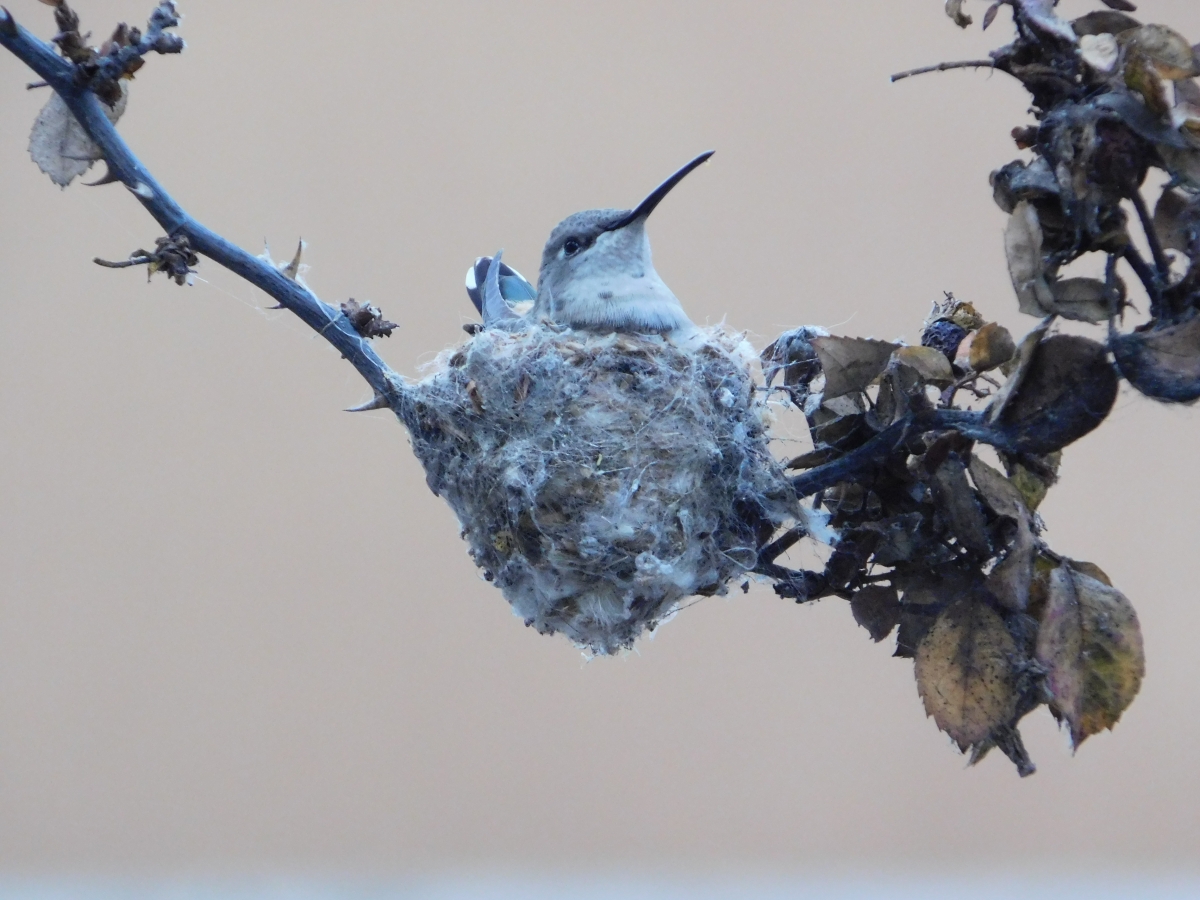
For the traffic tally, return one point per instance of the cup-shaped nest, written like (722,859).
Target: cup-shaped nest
(601,479)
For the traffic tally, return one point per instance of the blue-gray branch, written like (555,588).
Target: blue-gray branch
(326,320)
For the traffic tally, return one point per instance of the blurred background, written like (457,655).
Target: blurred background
(241,643)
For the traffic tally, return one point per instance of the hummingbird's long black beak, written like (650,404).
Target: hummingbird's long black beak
(655,197)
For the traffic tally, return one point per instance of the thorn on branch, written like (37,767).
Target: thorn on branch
(34,85)
(367,320)
(173,255)
(292,270)
(109,177)
(377,402)
(1156,249)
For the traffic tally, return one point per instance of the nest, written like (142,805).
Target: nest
(601,479)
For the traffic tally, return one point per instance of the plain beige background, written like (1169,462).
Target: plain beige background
(237,632)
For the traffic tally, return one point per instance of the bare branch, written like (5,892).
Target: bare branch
(947,66)
(328,321)
(1156,249)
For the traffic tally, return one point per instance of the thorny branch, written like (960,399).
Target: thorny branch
(75,84)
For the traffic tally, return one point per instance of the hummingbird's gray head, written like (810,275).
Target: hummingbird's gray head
(597,272)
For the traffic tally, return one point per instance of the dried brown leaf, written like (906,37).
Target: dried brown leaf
(1091,570)
(1143,77)
(1068,390)
(1171,221)
(1026,267)
(877,609)
(1090,644)
(1185,114)
(58,143)
(851,364)
(955,11)
(1103,22)
(793,354)
(365,318)
(965,672)
(900,538)
(920,605)
(1000,494)
(1020,365)
(1167,51)
(954,498)
(1010,579)
(990,15)
(1183,164)
(991,346)
(1163,362)
(1080,299)
(930,364)
(1034,484)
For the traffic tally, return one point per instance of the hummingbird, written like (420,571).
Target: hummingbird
(596,274)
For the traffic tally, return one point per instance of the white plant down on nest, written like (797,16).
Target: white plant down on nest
(601,479)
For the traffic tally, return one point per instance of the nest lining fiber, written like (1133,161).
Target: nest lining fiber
(601,479)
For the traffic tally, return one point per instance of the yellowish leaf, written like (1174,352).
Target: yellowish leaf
(929,363)
(1164,49)
(991,346)
(965,672)
(1090,644)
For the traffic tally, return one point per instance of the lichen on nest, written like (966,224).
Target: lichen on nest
(601,479)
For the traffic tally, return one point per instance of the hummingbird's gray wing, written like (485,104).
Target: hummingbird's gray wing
(513,286)
(494,306)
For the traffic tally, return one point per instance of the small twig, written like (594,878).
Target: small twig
(800,585)
(944,67)
(124,263)
(1156,247)
(156,39)
(1146,275)
(778,547)
(854,463)
(946,400)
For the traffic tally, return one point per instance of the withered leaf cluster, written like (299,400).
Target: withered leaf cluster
(935,542)
(1113,98)
(940,547)
(367,320)
(57,143)
(173,255)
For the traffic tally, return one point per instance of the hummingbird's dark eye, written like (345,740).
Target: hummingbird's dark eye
(571,246)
